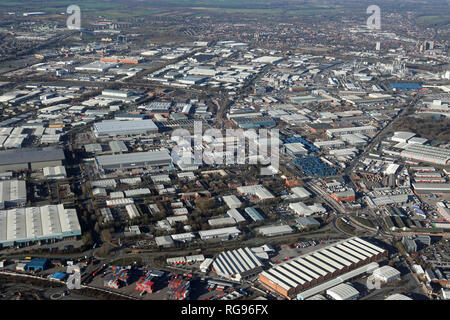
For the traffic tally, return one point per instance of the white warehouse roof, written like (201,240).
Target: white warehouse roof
(398,296)
(38,223)
(219,232)
(257,190)
(299,272)
(232,201)
(275,230)
(386,273)
(343,291)
(236,263)
(115,127)
(301,192)
(12,192)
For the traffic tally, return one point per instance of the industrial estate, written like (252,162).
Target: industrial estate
(173,152)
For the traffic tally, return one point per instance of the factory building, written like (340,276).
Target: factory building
(431,188)
(272,231)
(58,172)
(308,270)
(237,264)
(341,131)
(221,221)
(398,296)
(30,158)
(409,244)
(330,144)
(97,66)
(113,128)
(118,146)
(303,210)
(27,225)
(222,233)
(254,214)
(423,153)
(386,274)
(402,136)
(232,201)
(132,211)
(258,191)
(343,291)
(13,193)
(236,215)
(301,193)
(295,149)
(164,241)
(133,160)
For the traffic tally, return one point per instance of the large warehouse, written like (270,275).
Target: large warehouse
(12,193)
(112,128)
(31,158)
(133,160)
(28,225)
(221,233)
(386,274)
(428,154)
(237,264)
(343,291)
(431,188)
(291,277)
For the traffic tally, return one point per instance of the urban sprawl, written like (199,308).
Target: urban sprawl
(320,170)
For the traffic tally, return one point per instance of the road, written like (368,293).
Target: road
(380,135)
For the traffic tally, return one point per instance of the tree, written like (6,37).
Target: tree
(104,250)
(87,239)
(205,204)
(106,235)
(97,227)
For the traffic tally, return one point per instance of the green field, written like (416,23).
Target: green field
(56,6)
(116,8)
(434,20)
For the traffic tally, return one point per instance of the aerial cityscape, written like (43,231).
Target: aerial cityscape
(225,150)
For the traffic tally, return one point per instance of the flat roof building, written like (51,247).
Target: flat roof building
(118,146)
(222,233)
(112,128)
(12,193)
(427,188)
(46,223)
(164,241)
(256,190)
(236,215)
(300,192)
(133,160)
(221,221)
(58,172)
(428,154)
(341,131)
(254,214)
(271,231)
(232,201)
(30,158)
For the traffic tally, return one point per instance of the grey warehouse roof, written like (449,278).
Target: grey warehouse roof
(139,157)
(31,155)
(114,126)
